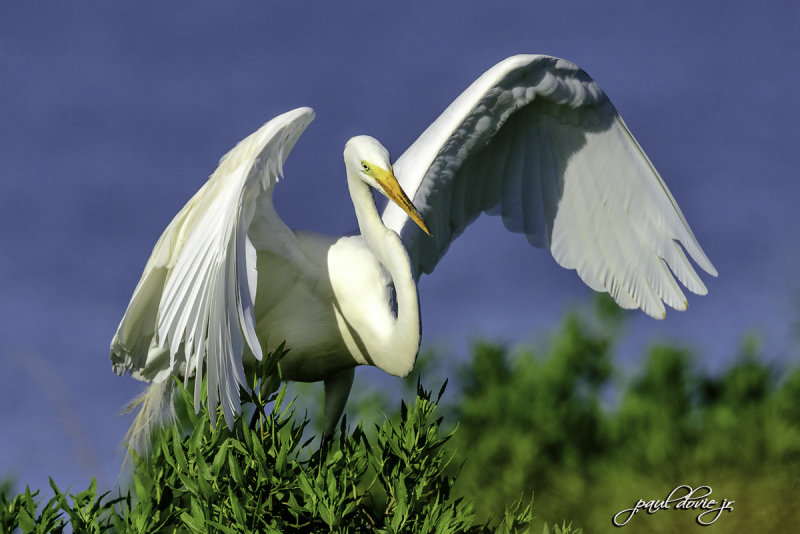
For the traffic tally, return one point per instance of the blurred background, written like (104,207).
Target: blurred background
(112,116)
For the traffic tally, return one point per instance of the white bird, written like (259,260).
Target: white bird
(534,139)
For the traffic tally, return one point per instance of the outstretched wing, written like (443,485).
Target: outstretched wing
(535,140)
(194,302)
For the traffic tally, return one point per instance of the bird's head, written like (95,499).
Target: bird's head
(367,159)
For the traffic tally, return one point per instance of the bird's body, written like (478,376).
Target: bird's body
(534,139)
(292,311)
(321,324)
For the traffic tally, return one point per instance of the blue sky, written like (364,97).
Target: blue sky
(112,116)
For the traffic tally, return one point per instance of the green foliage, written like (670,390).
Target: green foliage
(519,417)
(84,512)
(260,476)
(537,421)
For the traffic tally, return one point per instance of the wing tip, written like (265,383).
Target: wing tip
(700,258)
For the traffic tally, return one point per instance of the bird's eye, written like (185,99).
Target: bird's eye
(364,167)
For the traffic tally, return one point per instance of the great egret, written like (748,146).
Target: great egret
(534,139)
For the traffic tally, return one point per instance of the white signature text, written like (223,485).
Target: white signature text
(681,498)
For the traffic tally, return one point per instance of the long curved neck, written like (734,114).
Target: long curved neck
(396,352)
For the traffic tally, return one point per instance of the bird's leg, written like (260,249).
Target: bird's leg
(337,389)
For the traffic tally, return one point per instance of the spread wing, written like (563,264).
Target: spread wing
(194,303)
(536,141)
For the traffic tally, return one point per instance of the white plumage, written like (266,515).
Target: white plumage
(534,140)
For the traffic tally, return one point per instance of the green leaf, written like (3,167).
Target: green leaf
(238,511)
(235,470)
(177,447)
(195,524)
(219,458)
(26,521)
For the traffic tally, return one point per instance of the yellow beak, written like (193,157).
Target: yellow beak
(392,189)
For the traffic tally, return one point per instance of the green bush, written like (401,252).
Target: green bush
(542,421)
(261,476)
(561,420)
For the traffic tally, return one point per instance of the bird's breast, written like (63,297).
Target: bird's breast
(328,323)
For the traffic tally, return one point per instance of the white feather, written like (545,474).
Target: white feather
(196,297)
(533,140)
(538,142)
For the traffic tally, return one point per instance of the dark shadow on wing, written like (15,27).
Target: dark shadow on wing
(518,173)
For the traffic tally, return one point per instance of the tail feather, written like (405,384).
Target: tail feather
(156,410)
